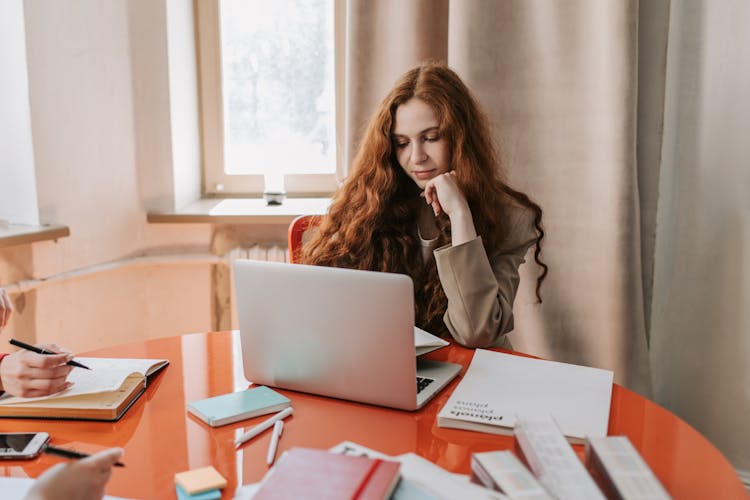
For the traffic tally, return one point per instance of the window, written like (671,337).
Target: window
(269,100)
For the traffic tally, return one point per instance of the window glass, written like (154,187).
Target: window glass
(277,62)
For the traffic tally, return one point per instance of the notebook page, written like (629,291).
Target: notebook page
(106,374)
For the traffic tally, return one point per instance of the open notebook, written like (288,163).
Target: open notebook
(103,393)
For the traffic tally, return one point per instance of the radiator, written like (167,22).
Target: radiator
(226,315)
(268,252)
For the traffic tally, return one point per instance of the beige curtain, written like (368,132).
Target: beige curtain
(559,80)
(700,313)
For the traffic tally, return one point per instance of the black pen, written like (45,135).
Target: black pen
(39,350)
(64,452)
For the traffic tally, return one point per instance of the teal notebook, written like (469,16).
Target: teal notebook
(236,406)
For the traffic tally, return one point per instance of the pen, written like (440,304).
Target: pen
(39,350)
(278,428)
(266,424)
(64,452)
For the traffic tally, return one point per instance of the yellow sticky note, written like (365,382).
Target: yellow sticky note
(200,480)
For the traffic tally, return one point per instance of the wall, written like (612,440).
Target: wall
(700,319)
(116,278)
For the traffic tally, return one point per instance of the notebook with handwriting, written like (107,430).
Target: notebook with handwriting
(103,393)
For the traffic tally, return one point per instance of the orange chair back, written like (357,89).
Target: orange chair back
(296,231)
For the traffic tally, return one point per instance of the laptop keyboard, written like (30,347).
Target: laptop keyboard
(422,383)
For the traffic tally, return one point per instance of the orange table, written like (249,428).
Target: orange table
(160,438)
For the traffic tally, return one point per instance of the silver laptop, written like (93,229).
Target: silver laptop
(334,332)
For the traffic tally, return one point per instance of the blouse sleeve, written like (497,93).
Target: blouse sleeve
(481,289)
(2,355)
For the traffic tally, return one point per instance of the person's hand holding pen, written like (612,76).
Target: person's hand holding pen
(29,374)
(81,479)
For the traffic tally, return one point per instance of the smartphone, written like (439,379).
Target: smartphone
(22,445)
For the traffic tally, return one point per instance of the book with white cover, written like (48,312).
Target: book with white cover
(501,470)
(621,471)
(497,387)
(550,457)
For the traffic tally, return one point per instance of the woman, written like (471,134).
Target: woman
(426,197)
(28,374)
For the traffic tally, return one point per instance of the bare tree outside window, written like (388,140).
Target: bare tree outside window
(278,86)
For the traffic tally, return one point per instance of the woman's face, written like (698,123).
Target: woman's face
(420,149)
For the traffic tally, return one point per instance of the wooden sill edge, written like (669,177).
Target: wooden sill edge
(18,234)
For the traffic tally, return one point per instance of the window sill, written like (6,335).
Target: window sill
(19,234)
(241,211)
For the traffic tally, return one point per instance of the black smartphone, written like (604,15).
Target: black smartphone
(22,445)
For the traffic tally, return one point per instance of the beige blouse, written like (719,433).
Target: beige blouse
(481,288)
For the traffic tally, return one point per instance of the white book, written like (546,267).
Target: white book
(553,461)
(502,471)
(621,471)
(497,387)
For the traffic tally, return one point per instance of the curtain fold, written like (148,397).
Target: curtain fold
(699,317)
(560,82)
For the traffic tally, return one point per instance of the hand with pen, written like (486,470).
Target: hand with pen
(30,374)
(83,479)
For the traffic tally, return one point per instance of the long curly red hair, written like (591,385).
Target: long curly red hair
(371,223)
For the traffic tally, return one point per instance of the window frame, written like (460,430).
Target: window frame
(215,181)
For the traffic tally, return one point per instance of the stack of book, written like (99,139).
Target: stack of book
(549,468)
(613,467)
(547,405)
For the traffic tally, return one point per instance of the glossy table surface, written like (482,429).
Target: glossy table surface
(160,438)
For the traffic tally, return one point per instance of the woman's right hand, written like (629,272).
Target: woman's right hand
(28,374)
(445,196)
